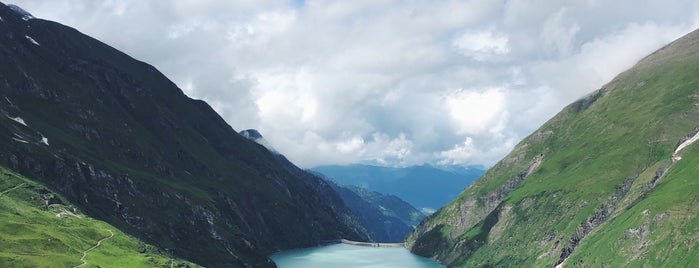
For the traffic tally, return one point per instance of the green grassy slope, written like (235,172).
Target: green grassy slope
(38,228)
(594,185)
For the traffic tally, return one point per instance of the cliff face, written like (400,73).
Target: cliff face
(119,140)
(607,181)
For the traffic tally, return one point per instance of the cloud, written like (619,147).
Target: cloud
(557,37)
(481,45)
(474,112)
(389,82)
(598,60)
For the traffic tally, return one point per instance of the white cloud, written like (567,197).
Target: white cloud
(374,81)
(598,60)
(474,112)
(460,153)
(559,38)
(351,145)
(482,45)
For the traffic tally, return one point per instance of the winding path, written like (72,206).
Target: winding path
(82,259)
(8,190)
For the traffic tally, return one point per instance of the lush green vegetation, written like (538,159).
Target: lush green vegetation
(599,196)
(39,228)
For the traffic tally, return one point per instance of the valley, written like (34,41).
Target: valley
(426,149)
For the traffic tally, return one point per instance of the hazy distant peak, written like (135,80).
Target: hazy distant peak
(25,15)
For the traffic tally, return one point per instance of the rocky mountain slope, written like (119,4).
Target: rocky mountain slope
(609,181)
(120,141)
(385,218)
(425,187)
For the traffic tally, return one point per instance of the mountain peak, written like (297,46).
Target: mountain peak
(25,15)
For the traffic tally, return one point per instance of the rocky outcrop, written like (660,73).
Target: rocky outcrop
(472,211)
(603,212)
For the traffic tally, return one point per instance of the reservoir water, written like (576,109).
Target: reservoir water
(351,256)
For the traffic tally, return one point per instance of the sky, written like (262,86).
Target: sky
(386,82)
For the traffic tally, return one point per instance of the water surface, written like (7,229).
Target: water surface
(350,256)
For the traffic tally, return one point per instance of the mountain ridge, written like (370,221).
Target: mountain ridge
(425,187)
(122,142)
(595,185)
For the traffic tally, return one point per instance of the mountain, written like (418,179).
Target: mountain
(39,228)
(425,187)
(122,143)
(386,218)
(610,181)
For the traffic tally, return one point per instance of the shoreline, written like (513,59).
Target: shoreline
(370,244)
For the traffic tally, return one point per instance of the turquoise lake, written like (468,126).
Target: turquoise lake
(350,256)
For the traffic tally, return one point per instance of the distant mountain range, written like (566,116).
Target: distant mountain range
(425,187)
(386,218)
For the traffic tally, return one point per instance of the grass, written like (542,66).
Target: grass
(33,235)
(668,223)
(627,133)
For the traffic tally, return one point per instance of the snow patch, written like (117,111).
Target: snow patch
(44,140)
(560,265)
(675,155)
(32,40)
(8,101)
(1,19)
(428,211)
(20,140)
(18,120)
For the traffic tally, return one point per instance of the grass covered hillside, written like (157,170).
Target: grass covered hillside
(609,181)
(39,228)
